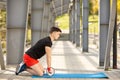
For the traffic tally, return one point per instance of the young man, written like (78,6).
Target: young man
(30,61)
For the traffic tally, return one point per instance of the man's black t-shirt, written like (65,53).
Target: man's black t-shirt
(38,50)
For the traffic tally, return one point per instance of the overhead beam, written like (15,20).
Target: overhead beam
(64,11)
(64,6)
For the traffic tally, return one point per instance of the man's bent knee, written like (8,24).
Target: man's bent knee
(40,74)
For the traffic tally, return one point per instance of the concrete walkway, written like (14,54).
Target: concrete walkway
(66,58)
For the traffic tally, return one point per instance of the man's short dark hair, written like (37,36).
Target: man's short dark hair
(53,29)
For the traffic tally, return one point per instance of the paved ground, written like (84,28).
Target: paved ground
(66,58)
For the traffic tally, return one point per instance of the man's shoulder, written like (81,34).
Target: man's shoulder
(46,38)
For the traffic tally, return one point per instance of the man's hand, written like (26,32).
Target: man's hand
(50,71)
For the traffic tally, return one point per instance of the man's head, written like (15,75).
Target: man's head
(55,32)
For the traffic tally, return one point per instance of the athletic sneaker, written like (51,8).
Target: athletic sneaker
(20,68)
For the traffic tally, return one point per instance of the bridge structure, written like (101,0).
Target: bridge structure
(42,15)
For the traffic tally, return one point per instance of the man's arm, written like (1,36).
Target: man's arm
(48,56)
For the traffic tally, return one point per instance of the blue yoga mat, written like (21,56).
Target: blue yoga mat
(67,75)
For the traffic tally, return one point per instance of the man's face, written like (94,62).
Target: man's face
(56,35)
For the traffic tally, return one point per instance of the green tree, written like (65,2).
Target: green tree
(93,7)
(118,6)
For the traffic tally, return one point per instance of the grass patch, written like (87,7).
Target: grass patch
(93,24)
(63,21)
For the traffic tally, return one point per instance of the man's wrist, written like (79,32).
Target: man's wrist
(49,68)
